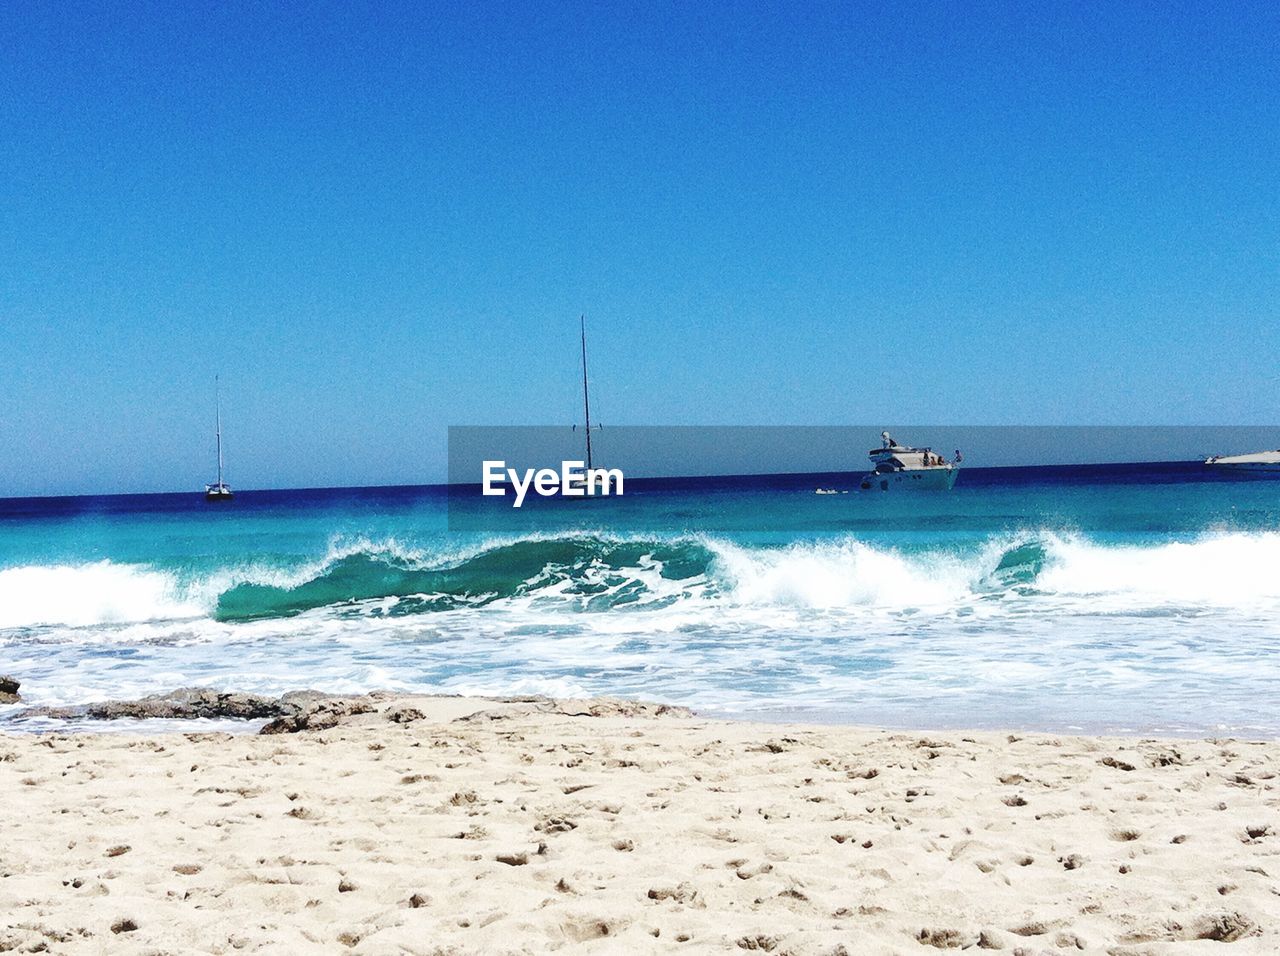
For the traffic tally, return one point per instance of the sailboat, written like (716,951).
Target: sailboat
(586,395)
(586,398)
(219,490)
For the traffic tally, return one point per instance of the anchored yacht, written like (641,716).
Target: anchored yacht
(900,466)
(219,490)
(1258,461)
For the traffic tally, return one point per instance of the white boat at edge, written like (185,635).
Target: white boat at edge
(901,466)
(1255,461)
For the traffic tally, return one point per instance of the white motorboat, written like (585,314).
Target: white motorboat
(901,466)
(1257,461)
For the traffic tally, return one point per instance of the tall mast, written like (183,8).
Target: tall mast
(586,398)
(217,393)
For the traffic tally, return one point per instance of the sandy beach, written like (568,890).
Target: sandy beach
(463,825)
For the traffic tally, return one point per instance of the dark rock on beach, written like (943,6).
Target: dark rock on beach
(186,703)
(291,713)
(8,690)
(317,714)
(310,710)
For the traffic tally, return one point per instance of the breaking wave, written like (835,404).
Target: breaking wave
(99,593)
(600,573)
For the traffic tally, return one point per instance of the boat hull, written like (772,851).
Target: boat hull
(1265,462)
(1257,467)
(912,479)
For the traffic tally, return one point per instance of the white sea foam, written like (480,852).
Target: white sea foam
(1148,634)
(1213,571)
(97,593)
(1218,570)
(843,574)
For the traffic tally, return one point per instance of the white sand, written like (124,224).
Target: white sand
(528,831)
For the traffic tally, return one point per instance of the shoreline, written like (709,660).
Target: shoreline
(236,712)
(427,824)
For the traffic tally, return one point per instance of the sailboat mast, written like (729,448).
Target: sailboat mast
(217,400)
(586,397)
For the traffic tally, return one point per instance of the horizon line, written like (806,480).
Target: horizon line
(465,484)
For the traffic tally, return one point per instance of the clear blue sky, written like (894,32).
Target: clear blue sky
(378,220)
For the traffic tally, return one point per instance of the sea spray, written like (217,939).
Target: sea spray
(101,592)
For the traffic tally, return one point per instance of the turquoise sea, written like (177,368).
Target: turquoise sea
(1135,598)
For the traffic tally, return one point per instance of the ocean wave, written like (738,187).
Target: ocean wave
(596,572)
(588,571)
